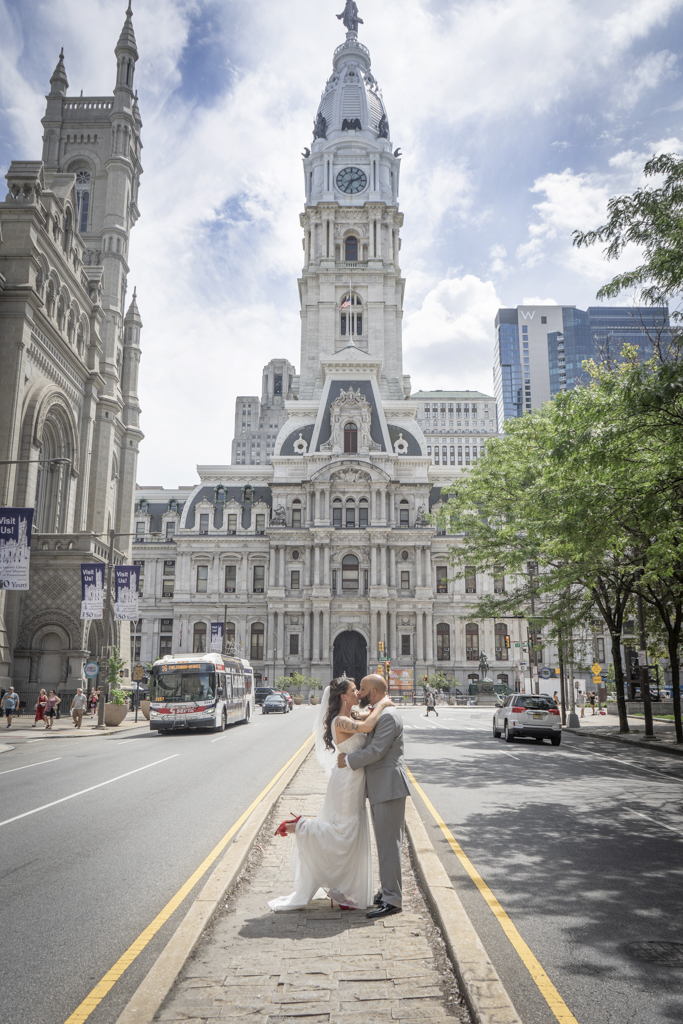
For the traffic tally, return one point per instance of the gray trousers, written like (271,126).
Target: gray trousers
(388,818)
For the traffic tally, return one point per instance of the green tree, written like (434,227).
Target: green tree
(115,666)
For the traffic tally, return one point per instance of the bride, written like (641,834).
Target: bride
(332,851)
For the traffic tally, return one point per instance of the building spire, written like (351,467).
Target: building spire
(59,82)
(126,41)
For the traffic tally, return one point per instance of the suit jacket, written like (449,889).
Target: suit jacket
(385,771)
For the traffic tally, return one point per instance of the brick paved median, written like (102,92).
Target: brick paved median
(314,965)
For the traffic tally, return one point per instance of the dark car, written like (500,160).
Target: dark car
(275,702)
(289,700)
(261,692)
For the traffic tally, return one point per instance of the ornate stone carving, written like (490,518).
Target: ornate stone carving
(278,516)
(351,406)
(351,124)
(320,127)
(421,517)
(383,127)
(91,257)
(351,476)
(300,446)
(401,445)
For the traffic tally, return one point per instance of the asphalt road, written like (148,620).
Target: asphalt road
(583,847)
(81,879)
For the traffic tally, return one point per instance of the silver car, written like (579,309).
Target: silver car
(534,715)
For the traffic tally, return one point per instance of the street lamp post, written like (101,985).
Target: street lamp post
(644,670)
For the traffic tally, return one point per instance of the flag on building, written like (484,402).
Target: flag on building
(92,590)
(126,586)
(15,547)
(216,638)
(346,302)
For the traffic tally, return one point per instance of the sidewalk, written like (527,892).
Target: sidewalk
(607,727)
(22,727)
(314,965)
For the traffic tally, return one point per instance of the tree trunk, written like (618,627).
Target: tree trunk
(674,660)
(619,680)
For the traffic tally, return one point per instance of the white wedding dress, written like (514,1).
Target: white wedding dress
(332,851)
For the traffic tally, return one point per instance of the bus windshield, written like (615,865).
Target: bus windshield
(183,683)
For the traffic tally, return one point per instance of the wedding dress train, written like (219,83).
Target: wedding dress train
(332,851)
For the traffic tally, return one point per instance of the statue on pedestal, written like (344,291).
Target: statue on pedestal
(349,16)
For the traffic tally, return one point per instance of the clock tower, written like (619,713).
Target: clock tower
(351,288)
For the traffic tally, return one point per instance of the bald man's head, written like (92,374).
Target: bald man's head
(372,689)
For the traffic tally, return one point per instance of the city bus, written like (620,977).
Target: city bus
(200,691)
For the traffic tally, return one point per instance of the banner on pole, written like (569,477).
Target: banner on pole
(126,585)
(216,638)
(92,590)
(15,547)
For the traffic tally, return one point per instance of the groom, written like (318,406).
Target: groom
(386,785)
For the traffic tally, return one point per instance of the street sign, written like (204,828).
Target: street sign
(595,669)
(91,669)
(138,673)
(642,657)
(545,673)
(522,665)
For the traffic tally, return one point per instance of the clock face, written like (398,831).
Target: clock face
(351,180)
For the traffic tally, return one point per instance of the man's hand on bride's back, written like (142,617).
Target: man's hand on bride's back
(341,760)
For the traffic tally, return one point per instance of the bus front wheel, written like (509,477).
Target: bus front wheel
(224,722)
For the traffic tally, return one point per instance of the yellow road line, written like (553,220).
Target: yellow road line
(95,997)
(545,986)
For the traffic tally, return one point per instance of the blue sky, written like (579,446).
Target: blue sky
(517,120)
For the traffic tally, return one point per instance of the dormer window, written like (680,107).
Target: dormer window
(204,523)
(350,439)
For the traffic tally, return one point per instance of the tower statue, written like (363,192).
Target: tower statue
(349,16)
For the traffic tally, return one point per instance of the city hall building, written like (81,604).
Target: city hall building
(315,543)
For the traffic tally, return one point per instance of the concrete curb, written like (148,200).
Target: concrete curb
(151,993)
(660,748)
(481,986)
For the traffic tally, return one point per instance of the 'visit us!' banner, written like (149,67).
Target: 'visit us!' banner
(126,586)
(15,547)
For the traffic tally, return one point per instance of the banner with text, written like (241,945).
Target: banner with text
(400,679)
(126,585)
(216,638)
(92,590)
(15,547)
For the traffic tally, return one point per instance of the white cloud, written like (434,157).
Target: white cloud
(450,337)
(536,300)
(647,74)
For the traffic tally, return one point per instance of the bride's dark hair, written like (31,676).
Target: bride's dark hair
(338,688)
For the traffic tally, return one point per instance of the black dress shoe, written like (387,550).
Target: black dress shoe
(384,910)
(378,898)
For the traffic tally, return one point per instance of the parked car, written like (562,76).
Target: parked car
(261,692)
(275,702)
(534,715)
(289,699)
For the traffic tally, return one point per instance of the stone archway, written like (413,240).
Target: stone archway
(350,655)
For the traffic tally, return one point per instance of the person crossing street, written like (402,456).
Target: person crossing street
(431,705)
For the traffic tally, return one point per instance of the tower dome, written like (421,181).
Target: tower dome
(352,99)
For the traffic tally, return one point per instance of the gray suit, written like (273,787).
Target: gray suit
(386,785)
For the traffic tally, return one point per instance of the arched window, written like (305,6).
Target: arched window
(52,485)
(349,572)
(501,649)
(83,199)
(351,249)
(404,514)
(363,511)
(337,512)
(443,641)
(50,300)
(472,641)
(350,514)
(351,314)
(257,634)
(199,638)
(350,438)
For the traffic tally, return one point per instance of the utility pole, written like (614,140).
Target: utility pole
(644,670)
(531,634)
(562,686)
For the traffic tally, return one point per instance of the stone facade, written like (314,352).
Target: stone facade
(321,547)
(70,354)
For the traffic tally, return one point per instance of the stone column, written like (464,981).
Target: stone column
(373,653)
(272,554)
(316,565)
(326,647)
(383,630)
(270,627)
(316,636)
(427,564)
(394,571)
(307,567)
(306,636)
(419,638)
(280,636)
(281,580)
(326,565)
(429,631)
(383,552)
(373,565)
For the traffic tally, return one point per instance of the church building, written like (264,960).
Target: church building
(314,546)
(69,352)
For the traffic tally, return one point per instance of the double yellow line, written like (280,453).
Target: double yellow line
(105,985)
(545,986)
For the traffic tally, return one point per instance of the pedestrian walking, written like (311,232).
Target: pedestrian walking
(78,705)
(94,697)
(581,701)
(431,705)
(592,702)
(41,704)
(556,698)
(53,702)
(10,704)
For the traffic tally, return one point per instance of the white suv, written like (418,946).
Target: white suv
(534,715)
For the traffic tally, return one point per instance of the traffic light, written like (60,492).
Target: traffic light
(381,647)
(507,640)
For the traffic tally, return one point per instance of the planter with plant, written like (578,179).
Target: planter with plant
(116,708)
